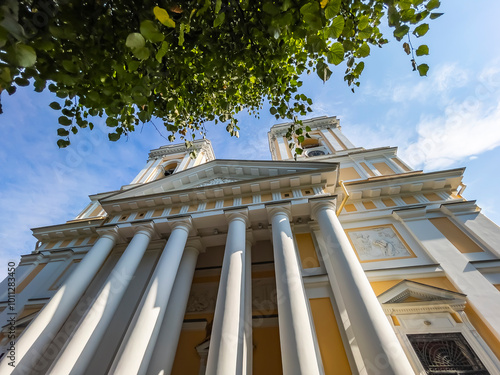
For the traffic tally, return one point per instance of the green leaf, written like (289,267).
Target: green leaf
(401,31)
(364,21)
(25,55)
(62,143)
(219,19)
(161,52)
(22,81)
(162,16)
(55,105)
(422,50)
(113,137)
(61,132)
(359,68)
(270,8)
(63,120)
(363,51)
(141,53)
(336,27)
(70,66)
(135,41)
(332,9)
(421,30)
(423,69)
(150,32)
(433,16)
(336,54)
(323,71)
(432,4)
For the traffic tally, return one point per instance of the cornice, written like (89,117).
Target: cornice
(202,144)
(317,123)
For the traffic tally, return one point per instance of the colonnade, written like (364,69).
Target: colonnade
(157,323)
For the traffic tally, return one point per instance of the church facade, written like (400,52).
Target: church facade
(341,260)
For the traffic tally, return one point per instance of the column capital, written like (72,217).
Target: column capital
(146,228)
(196,244)
(110,232)
(274,209)
(182,222)
(238,214)
(322,203)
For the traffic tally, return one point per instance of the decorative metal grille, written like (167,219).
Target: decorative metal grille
(446,354)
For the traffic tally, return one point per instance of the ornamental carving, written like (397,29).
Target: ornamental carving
(216,181)
(378,243)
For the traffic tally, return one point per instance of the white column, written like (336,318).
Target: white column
(247,334)
(134,358)
(80,348)
(298,351)
(45,326)
(165,348)
(379,346)
(225,355)
(480,292)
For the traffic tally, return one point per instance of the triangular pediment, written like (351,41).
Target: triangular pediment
(223,173)
(413,292)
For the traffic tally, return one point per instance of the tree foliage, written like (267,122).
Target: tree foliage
(189,62)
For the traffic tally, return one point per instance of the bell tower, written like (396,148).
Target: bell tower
(326,139)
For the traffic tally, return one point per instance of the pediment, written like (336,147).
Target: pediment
(223,173)
(412,292)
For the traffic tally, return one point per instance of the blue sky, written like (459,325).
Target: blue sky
(447,120)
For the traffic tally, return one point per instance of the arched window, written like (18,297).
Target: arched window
(310,143)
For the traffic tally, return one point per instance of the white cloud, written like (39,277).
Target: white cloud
(449,76)
(466,129)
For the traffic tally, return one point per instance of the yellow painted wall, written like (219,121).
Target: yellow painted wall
(228,202)
(175,210)
(210,205)
(410,199)
(497,286)
(267,352)
(380,287)
(266,197)
(157,212)
(96,211)
(28,279)
(398,162)
(368,170)
(187,360)
(388,202)
(286,195)
(307,192)
(307,251)
(483,329)
(193,207)
(65,243)
(247,200)
(277,148)
(383,168)
(348,174)
(329,340)
(350,208)
(79,241)
(458,238)
(433,197)
(369,205)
